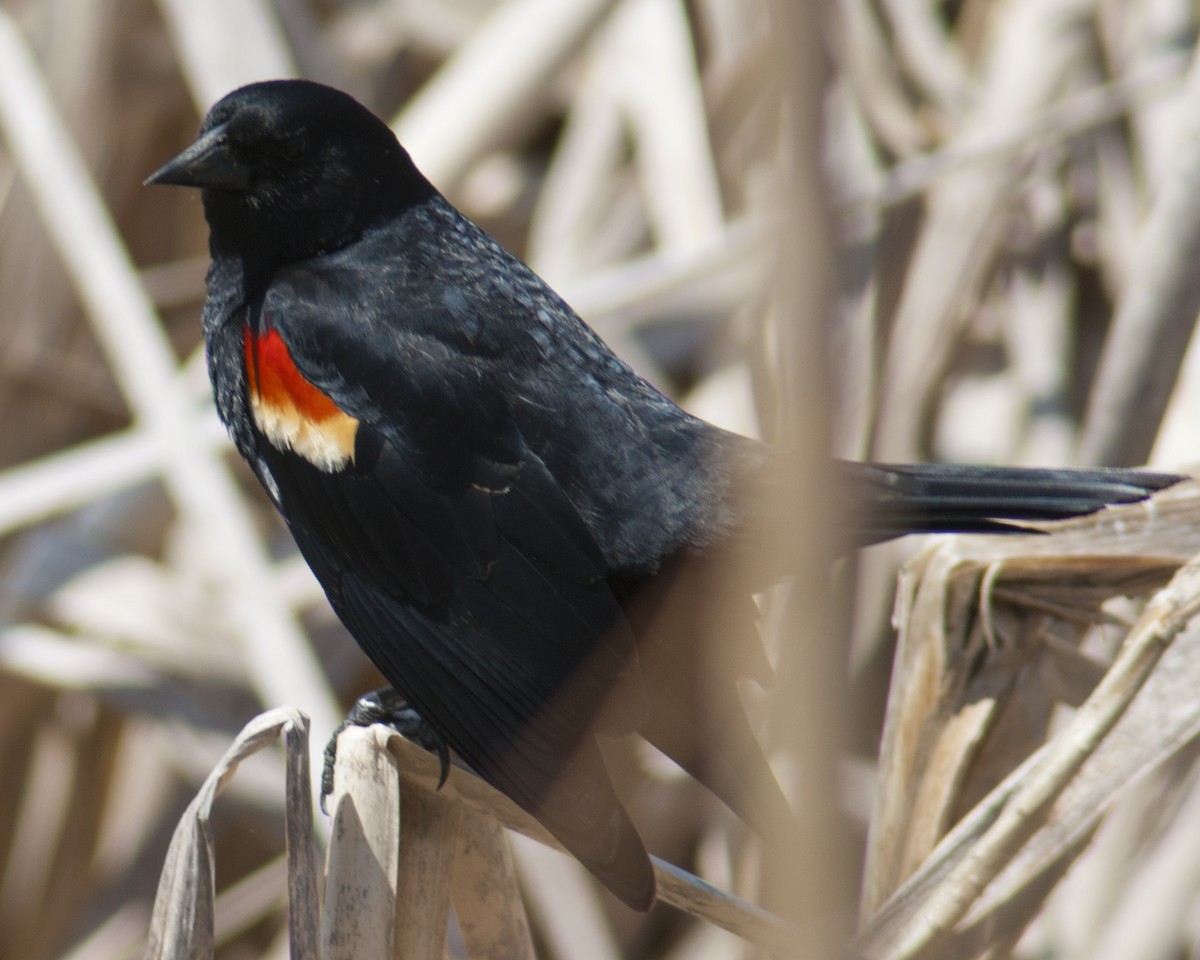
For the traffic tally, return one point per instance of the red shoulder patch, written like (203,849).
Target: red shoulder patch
(289,410)
(274,378)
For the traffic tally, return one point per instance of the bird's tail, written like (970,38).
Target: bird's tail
(892,500)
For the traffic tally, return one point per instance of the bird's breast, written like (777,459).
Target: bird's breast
(291,412)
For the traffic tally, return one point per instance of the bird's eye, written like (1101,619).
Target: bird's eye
(294,147)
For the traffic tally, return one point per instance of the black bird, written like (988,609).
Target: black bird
(491,499)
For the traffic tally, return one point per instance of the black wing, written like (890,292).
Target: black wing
(458,561)
(514,482)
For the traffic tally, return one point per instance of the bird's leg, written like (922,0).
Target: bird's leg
(388,707)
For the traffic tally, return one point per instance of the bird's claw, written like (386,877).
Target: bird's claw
(385,706)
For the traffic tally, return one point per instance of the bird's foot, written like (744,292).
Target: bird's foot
(388,707)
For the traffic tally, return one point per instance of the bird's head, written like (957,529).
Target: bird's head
(289,169)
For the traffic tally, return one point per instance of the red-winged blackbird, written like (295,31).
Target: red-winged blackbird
(489,496)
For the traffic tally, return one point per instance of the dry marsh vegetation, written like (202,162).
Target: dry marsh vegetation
(960,230)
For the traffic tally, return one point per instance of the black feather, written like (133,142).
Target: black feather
(518,539)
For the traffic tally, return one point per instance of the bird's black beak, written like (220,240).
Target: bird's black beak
(208,164)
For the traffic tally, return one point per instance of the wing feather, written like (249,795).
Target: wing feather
(474,561)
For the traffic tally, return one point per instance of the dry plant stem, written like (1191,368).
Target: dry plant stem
(1120,552)
(1142,34)
(487,901)
(301,844)
(50,485)
(1036,44)
(428,840)
(582,169)
(182,923)
(644,290)
(381,860)
(358,916)
(562,901)
(243,904)
(926,52)
(121,936)
(659,91)
(1078,113)
(1157,312)
(1157,900)
(280,660)
(1119,209)
(807,868)
(675,886)
(869,64)
(225,44)
(1167,614)
(483,87)
(1039,340)
(910,798)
